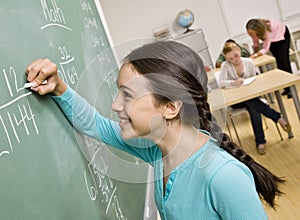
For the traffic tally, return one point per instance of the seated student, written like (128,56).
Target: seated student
(221,58)
(233,72)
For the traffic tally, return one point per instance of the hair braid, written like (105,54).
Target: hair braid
(266,183)
(189,80)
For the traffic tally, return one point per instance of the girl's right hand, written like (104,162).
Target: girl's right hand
(45,69)
(237,82)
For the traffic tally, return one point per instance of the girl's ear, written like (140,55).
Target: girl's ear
(172,109)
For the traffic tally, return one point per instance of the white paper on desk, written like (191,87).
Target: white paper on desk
(247,81)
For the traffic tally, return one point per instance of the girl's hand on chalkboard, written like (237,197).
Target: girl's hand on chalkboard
(44,69)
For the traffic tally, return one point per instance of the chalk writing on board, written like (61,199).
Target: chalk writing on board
(11,121)
(67,69)
(16,120)
(97,41)
(90,21)
(89,18)
(53,15)
(12,88)
(104,59)
(86,7)
(102,185)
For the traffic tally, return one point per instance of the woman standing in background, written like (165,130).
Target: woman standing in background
(276,38)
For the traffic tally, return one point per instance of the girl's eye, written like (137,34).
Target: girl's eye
(127,94)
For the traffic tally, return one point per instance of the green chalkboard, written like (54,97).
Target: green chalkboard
(48,170)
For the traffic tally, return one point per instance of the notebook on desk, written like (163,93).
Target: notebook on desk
(247,81)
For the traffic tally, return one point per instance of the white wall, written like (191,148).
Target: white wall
(135,19)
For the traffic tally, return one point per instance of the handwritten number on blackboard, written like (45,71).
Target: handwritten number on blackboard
(67,70)
(24,115)
(64,53)
(103,186)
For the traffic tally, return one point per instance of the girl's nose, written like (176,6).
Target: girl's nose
(117,104)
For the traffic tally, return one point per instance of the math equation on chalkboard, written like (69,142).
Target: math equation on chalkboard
(16,115)
(101,187)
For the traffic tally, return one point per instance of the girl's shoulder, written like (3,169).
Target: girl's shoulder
(247,59)
(225,64)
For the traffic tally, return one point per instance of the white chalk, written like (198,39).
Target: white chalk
(29,85)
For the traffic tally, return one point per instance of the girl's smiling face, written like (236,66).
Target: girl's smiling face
(139,114)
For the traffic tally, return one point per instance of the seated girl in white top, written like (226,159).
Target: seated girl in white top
(233,72)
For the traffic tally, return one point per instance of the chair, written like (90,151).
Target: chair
(232,112)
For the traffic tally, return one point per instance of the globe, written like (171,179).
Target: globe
(185,19)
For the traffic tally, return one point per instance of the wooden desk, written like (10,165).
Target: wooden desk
(263,60)
(270,81)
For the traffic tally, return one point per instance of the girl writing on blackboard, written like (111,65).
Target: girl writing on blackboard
(165,119)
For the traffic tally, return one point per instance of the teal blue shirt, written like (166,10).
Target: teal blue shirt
(209,185)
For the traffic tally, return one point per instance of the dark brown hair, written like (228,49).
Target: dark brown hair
(176,68)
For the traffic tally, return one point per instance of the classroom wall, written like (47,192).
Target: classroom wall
(130,20)
(135,19)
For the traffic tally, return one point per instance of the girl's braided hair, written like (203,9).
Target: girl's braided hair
(177,73)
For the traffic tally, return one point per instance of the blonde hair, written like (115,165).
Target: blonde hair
(260,26)
(230,46)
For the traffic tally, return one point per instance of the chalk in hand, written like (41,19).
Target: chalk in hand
(29,85)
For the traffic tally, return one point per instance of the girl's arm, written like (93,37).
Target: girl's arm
(266,46)
(88,121)
(227,77)
(83,116)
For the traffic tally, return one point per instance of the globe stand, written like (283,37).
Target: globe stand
(188,30)
(185,19)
